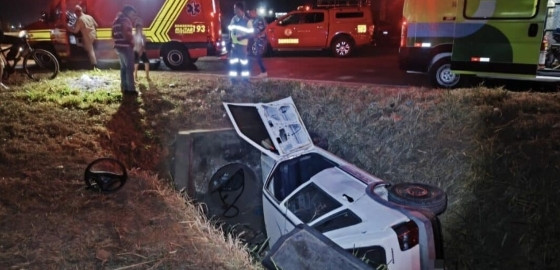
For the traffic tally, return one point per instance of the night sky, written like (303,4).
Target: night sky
(27,11)
(21,11)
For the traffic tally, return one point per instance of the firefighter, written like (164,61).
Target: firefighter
(240,33)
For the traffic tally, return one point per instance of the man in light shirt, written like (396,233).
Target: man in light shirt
(86,25)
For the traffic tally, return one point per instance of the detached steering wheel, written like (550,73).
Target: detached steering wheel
(105,175)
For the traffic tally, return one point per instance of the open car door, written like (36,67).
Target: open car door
(274,128)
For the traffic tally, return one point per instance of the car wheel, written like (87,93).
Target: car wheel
(419,195)
(342,47)
(176,57)
(442,76)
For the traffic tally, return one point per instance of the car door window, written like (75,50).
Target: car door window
(311,203)
(291,19)
(315,17)
(339,220)
(291,174)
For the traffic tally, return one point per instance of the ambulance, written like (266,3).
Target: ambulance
(178,31)
(505,39)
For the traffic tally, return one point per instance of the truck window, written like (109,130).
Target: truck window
(348,15)
(315,17)
(291,19)
(303,18)
(500,9)
(310,203)
(291,174)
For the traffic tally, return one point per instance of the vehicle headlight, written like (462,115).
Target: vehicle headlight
(22,33)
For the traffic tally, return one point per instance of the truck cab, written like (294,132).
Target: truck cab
(330,25)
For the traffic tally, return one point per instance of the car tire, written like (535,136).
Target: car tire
(442,76)
(418,195)
(342,46)
(176,57)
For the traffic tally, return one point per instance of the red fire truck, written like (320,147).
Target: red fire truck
(178,31)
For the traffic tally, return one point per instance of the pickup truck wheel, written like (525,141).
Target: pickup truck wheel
(419,195)
(442,76)
(342,47)
(176,57)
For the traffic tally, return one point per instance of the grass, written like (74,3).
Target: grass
(495,152)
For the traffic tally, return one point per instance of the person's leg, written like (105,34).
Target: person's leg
(233,62)
(2,85)
(136,63)
(244,63)
(129,55)
(146,62)
(261,64)
(147,69)
(88,46)
(122,62)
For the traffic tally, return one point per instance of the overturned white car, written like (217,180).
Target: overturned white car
(386,225)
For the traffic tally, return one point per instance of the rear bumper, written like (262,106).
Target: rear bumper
(429,228)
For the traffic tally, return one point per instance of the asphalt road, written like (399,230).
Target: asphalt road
(371,65)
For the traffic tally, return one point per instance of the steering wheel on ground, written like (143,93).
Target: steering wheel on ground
(105,175)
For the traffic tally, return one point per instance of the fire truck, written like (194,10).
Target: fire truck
(178,31)
(341,26)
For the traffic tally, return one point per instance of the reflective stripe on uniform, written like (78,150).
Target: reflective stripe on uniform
(241,28)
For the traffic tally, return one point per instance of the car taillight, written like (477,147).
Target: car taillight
(404,29)
(407,234)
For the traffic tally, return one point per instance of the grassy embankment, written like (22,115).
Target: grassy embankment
(495,152)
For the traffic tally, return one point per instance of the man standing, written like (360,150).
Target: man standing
(86,25)
(2,63)
(239,35)
(258,40)
(124,44)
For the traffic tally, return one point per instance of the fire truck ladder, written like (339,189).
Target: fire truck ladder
(343,3)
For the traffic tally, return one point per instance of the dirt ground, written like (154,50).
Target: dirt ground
(48,220)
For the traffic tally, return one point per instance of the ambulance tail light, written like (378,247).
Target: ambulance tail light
(404,29)
(407,234)
(371,30)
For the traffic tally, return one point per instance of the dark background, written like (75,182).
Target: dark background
(23,12)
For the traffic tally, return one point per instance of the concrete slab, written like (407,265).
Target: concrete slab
(200,156)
